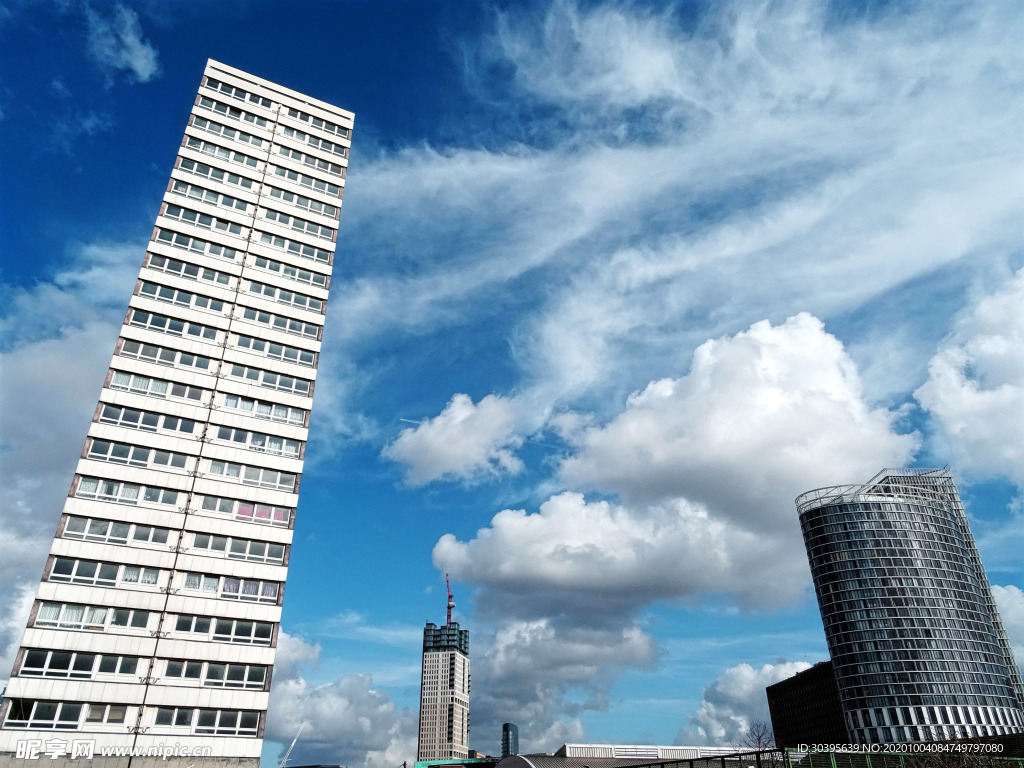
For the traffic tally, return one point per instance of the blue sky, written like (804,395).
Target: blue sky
(616,281)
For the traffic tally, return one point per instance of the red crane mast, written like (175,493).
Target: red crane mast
(451,602)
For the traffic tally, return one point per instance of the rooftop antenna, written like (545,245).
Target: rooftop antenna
(451,602)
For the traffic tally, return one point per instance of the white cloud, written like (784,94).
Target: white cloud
(347,721)
(761,417)
(732,702)
(116,44)
(465,440)
(975,388)
(1010,601)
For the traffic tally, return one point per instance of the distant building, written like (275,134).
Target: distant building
(509,739)
(805,708)
(917,645)
(444,692)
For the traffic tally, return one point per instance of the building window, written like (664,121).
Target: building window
(233,588)
(226,630)
(311,160)
(74,616)
(261,409)
(144,385)
(306,203)
(197,219)
(101,574)
(282,323)
(44,715)
(237,93)
(323,125)
(316,142)
(80,665)
(145,420)
(257,441)
(163,356)
(240,549)
(228,133)
(302,225)
(309,181)
(271,380)
(204,195)
(134,455)
(194,244)
(278,351)
(209,172)
(122,493)
(247,510)
(215,150)
(171,325)
(291,273)
(220,722)
(294,246)
(283,296)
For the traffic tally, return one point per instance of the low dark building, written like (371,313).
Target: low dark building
(805,708)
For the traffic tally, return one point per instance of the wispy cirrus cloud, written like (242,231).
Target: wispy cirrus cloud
(116,45)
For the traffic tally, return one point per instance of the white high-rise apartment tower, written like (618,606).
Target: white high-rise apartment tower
(444,691)
(158,614)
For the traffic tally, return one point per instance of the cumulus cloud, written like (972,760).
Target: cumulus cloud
(732,702)
(345,721)
(975,387)
(116,44)
(1010,601)
(760,417)
(465,440)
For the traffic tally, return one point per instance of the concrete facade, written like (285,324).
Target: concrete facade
(157,616)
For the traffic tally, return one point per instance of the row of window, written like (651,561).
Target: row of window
(124,493)
(311,160)
(311,182)
(204,195)
(278,351)
(194,244)
(261,409)
(151,353)
(232,587)
(209,172)
(286,297)
(249,475)
(181,298)
(188,216)
(282,323)
(145,385)
(102,574)
(292,273)
(258,441)
(233,112)
(132,418)
(134,455)
(309,227)
(271,380)
(121,533)
(316,142)
(316,122)
(72,716)
(306,203)
(171,325)
(294,246)
(187,270)
(237,93)
(217,129)
(215,150)
(99,618)
(82,665)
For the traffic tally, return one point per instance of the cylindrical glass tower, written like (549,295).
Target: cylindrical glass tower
(917,645)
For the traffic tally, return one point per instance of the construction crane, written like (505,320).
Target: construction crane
(284,760)
(451,602)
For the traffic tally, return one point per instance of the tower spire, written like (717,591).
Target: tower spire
(451,602)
